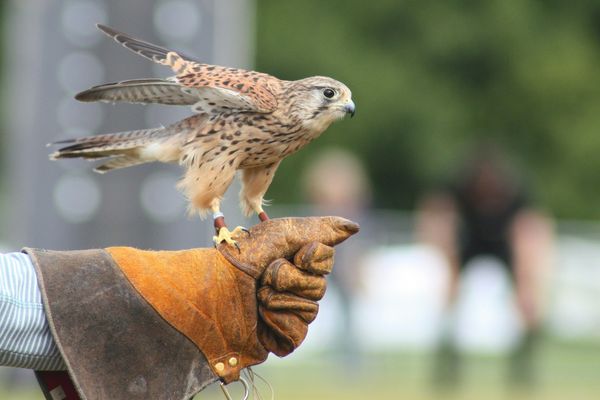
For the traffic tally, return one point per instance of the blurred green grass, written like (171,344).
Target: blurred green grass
(565,371)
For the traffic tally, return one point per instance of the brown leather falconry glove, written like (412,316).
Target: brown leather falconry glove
(237,306)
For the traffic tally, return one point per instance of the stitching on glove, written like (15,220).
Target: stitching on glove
(248,269)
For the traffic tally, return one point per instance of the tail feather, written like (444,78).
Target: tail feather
(105,145)
(129,148)
(117,162)
(147,50)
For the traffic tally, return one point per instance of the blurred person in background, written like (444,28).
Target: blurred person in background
(337,183)
(486,211)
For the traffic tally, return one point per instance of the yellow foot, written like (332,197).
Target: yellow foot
(227,236)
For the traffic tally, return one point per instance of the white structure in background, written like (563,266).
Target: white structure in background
(401,304)
(574,310)
(403,298)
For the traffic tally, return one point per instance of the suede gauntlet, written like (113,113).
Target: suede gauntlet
(237,306)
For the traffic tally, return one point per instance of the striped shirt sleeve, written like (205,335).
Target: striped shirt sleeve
(25,338)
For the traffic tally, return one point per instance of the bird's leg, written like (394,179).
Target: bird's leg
(219,221)
(255,182)
(223,233)
(263,216)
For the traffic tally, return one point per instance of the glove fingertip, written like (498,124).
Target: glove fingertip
(315,257)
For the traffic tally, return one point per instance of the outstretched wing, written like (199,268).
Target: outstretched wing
(147,50)
(215,88)
(141,91)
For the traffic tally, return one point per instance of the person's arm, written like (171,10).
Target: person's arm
(437,226)
(531,238)
(25,338)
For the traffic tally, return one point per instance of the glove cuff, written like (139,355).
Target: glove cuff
(204,297)
(113,342)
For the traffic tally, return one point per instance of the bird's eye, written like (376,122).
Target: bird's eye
(329,93)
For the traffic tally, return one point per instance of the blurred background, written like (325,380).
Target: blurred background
(472,165)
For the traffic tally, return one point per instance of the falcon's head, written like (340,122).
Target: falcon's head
(320,100)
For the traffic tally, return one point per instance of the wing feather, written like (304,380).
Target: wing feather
(216,88)
(145,49)
(141,91)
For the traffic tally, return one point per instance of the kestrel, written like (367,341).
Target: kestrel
(244,120)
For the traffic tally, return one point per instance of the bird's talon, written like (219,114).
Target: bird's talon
(225,235)
(238,230)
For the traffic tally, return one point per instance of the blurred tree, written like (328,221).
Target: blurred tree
(431,78)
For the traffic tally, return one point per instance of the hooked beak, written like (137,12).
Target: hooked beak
(350,108)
